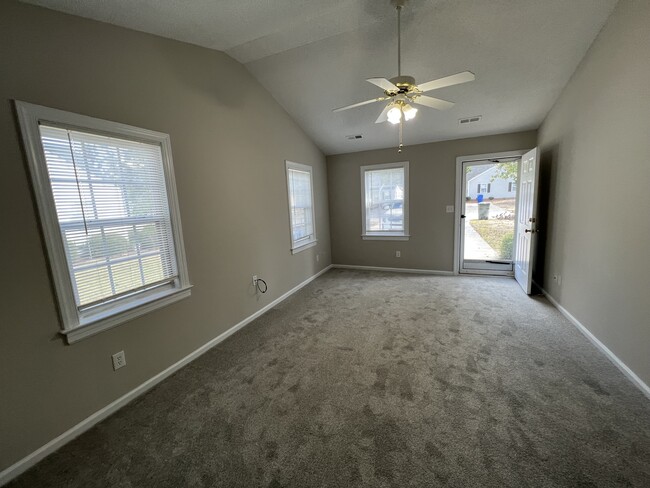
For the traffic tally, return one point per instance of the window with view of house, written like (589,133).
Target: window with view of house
(107,200)
(301,206)
(384,190)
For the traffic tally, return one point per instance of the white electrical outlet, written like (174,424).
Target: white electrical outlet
(559,280)
(119,360)
(450,209)
(398,254)
(254,280)
(317,257)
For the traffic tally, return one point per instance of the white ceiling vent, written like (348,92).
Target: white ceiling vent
(353,137)
(470,120)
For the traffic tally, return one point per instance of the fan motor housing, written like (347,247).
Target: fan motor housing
(404,83)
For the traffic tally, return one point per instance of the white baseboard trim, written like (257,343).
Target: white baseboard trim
(394,270)
(638,382)
(30,460)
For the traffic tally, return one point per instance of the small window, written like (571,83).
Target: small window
(384,190)
(512,186)
(301,206)
(484,188)
(107,200)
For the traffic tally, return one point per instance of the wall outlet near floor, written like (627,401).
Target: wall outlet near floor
(119,360)
(557,279)
(317,257)
(254,280)
(398,254)
(450,209)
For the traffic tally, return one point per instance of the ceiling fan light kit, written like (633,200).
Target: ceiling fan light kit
(401,91)
(394,115)
(399,110)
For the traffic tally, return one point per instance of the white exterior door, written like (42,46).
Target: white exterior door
(526,228)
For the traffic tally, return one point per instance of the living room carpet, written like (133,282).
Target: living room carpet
(372,379)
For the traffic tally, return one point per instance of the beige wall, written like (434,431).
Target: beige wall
(432,179)
(596,162)
(229,141)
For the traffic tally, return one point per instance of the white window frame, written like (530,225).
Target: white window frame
(302,244)
(77,324)
(402,235)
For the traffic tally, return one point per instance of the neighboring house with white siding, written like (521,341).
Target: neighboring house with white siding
(481,181)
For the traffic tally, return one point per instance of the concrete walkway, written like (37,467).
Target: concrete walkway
(475,246)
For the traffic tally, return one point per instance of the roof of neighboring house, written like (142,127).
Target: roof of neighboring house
(479,170)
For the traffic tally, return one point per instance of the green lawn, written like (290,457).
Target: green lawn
(498,234)
(94,284)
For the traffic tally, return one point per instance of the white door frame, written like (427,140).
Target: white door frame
(459,196)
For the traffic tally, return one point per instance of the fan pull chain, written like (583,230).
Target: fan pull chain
(401,123)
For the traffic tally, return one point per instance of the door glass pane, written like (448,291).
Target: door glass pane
(490,211)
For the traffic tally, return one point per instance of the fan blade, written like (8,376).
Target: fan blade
(383,83)
(360,104)
(383,116)
(456,79)
(432,102)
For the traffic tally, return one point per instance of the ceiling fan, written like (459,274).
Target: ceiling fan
(401,91)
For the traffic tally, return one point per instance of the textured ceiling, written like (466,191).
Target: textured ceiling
(314,55)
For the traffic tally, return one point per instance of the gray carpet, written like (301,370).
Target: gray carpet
(379,380)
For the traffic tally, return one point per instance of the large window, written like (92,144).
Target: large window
(107,200)
(384,190)
(301,206)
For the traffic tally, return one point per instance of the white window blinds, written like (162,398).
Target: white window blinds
(113,213)
(299,179)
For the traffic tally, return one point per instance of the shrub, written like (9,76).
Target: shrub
(506,246)
(468,198)
(490,198)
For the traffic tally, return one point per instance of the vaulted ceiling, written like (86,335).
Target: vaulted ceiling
(314,55)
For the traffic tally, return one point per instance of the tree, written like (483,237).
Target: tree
(506,171)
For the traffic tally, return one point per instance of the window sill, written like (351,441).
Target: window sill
(385,237)
(304,246)
(134,310)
